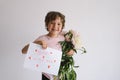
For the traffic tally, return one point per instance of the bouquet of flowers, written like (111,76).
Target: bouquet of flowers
(71,42)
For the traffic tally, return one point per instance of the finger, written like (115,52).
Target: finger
(44,46)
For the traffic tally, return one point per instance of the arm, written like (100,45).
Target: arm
(43,43)
(24,50)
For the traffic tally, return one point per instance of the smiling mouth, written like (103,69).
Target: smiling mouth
(54,30)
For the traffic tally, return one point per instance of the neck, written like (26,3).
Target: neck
(53,35)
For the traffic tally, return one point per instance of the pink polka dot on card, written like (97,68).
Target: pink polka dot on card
(54,61)
(30,57)
(49,66)
(36,50)
(51,53)
(43,57)
(37,65)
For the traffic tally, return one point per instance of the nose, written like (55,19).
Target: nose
(55,26)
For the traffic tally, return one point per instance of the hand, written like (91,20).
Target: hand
(70,53)
(44,44)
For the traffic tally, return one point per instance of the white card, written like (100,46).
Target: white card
(43,60)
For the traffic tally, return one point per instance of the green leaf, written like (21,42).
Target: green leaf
(66,71)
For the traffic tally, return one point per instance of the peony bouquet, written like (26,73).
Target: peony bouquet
(71,42)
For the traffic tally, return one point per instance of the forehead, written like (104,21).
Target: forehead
(58,19)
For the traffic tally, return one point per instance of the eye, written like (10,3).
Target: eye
(59,24)
(52,22)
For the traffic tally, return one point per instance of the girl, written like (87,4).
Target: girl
(54,22)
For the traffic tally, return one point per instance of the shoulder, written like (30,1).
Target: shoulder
(63,33)
(61,36)
(42,37)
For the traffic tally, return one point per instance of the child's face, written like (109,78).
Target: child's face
(55,27)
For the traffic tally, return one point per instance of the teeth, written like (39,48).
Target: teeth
(54,30)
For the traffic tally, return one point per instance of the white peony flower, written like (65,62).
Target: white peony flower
(76,39)
(77,42)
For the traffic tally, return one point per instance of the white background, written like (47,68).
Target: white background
(98,21)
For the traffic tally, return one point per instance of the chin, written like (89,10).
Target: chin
(55,32)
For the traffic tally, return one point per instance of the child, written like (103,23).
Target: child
(54,22)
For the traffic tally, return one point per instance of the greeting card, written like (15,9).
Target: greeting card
(43,60)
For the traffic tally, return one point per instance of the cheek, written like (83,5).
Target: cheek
(49,27)
(59,27)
